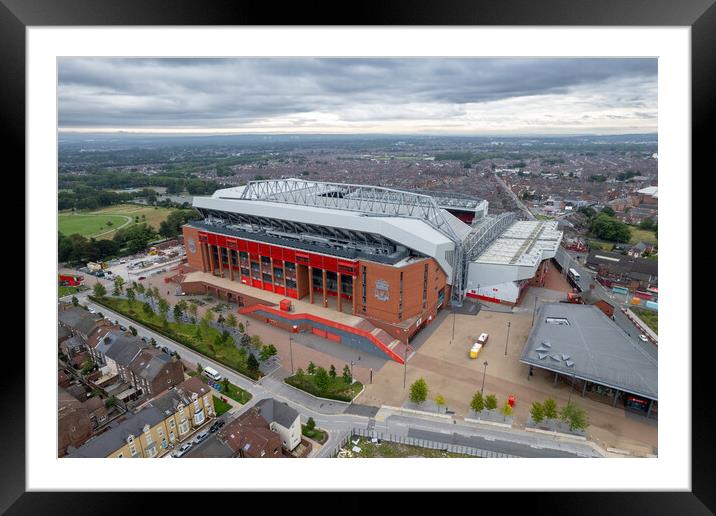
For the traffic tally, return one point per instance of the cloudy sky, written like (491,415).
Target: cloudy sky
(377,95)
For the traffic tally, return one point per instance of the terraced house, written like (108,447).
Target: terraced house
(156,427)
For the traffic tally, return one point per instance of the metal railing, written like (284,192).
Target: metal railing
(417,442)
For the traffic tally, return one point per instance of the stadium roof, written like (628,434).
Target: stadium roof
(525,242)
(580,340)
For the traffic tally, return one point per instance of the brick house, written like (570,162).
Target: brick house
(153,371)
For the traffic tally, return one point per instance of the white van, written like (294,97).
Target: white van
(212,373)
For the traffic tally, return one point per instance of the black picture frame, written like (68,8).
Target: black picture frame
(700,15)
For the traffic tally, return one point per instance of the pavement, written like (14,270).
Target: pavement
(339,419)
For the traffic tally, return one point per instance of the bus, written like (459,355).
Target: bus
(574,275)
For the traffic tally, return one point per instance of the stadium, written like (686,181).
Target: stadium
(364,265)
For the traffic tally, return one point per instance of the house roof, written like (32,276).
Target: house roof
(149,363)
(168,402)
(623,263)
(62,333)
(249,434)
(123,348)
(275,411)
(78,319)
(114,439)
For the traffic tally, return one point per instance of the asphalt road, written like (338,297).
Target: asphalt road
(331,416)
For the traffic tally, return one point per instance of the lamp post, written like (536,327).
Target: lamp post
(352,368)
(453,325)
(290,345)
(508,336)
(405,362)
(484,372)
(534,310)
(570,390)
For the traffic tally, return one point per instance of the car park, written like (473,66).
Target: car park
(182,450)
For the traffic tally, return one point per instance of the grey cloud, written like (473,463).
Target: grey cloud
(174,93)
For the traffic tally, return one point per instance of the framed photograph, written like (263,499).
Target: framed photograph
(412,241)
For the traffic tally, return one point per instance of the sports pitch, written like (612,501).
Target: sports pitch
(94,224)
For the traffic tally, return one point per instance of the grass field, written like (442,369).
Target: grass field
(642,235)
(63,291)
(94,223)
(650,317)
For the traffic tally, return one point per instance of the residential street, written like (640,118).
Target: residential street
(332,416)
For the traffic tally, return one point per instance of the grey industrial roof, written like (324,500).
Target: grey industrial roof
(591,347)
(272,410)
(112,440)
(623,263)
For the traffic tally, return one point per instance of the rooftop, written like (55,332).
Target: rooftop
(522,243)
(580,340)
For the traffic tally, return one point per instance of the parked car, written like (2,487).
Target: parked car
(643,338)
(216,425)
(144,339)
(166,350)
(141,278)
(182,450)
(92,311)
(201,436)
(123,328)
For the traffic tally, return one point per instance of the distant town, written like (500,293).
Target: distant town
(348,296)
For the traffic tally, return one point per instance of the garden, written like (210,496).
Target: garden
(326,384)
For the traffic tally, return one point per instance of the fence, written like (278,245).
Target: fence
(420,443)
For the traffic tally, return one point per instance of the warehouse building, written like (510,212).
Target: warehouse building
(374,262)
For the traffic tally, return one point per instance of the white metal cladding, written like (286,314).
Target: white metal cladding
(412,233)
(370,200)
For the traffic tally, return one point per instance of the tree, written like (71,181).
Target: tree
(311,368)
(231,320)
(163,307)
(256,341)
(225,385)
(537,412)
(199,368)
(208,318)
(149,294)
(131,295)
(87,366)
(490,402)
(550,408)
(608,211)
(220,319)
(265,353)
(111,401)
(252,363)
(140,288)
(241,327)
(119,283)
(198,334)
(300,373)
(478,402)
(322,378)
(192,309)
(99,290)
(148,309)
(332,371)
(178,314)
(310,424)
(75,301)
(347,374)
(133,330)
(419,391)
(506,411)
(439,401)
(575,416)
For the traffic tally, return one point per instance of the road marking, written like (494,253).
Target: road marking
(487,438)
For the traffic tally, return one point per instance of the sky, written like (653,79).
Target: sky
(465,96)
